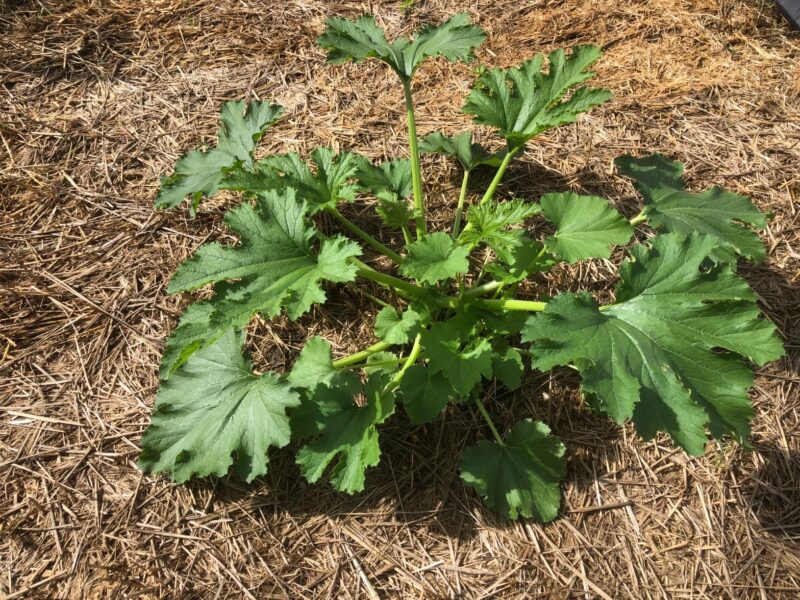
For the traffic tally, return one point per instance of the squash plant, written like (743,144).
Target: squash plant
(673,353)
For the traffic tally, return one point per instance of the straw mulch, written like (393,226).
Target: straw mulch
(99,97)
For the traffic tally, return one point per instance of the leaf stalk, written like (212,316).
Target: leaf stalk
(416,171)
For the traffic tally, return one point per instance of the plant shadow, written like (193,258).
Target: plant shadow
(772,490)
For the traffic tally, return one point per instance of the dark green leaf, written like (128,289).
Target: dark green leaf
(434,258)
(521,477)
(394,328)
(461,148)
(425,392)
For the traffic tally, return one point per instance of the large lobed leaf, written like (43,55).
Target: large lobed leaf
(322,187)
(200,173)
(434,258)
(275,266)
(214,410)
(670,354)
(346,40)
(524,101)
(520,477)
(715,212)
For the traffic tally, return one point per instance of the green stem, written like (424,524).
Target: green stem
(406,235)
(481,290)
(361,356)
(511,304)
(460,208)
(416,350)
(416,172)
(386,251)
(489,421)
(638,218)
(367,272)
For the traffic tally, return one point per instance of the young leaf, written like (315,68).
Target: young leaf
(434,258)
(520,261)
(490,222)
(586,226)
(396,329)
(373,364)
(348,438)
(323,187)
(715,212)
(201,173)
(522,476)
(393,211)
(213,408)
(523,101)
(275,265)
(314,366)
(357,40)
(463,359)
(425,393)
(461,148)
(654,355)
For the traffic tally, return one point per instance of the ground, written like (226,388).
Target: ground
(98,98)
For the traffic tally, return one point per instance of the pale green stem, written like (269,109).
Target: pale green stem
(638,218)
(416,172)
(460,208)
(496,303)
(367,272)
(386,251)
(489,421)
(406,235)
(416,350)
(361,356)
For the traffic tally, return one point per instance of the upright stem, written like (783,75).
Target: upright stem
(460,208)
(406,235)
(386,251)
(416,174)
(489,421)
(360,357)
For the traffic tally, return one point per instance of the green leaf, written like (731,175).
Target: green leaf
(394,328)
(274,266)
(461,148)
(452,350)
(521,477)
(348,438)
(346,40)
(191,334)
(324,186)
(490,222)
(669,353)
(393,176)
(523,101)
(373,363)
(587,226)
(212,409)
(393,211)
(201,173)
(314,366)
(519,262)
(434,258)
(715,212)
(507,365)
(425,393)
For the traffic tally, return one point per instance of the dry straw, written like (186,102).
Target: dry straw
(96,101)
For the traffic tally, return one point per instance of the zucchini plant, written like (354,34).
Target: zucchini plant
(673,353)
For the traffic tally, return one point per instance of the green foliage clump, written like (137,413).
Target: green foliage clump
(672,354)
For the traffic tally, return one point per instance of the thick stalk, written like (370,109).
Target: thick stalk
(460,208)
(489,422)
(386,251)
(416,172)
(359,357)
